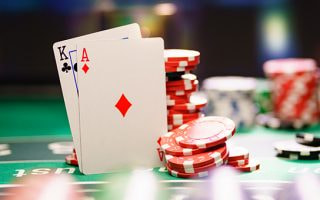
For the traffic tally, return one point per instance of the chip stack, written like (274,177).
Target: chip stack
(182,105)
(72,158)
(232,97)
(294,90)
(197,147)
(239,159)
(306,146)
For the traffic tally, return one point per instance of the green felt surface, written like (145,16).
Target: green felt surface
(33,117)
(28,125)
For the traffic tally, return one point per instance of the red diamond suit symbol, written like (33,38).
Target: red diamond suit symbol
(123,105)
(85,68)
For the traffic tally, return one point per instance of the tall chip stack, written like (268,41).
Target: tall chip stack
(197,147)
(294,91)
(232,97)
(182,105)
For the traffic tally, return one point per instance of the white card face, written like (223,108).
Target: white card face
(66,56)
(114,137)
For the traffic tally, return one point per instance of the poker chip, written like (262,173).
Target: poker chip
(268,120)
(180,69)
(173,55)
(294,84)
(232,97)
(191,170)
(181,92)
(182,63)
(172,112)
(205,132)
(172,127)
(198,160)
(196,103)
(237,153)
(308,139)
(186,79)
(186,87)
(173,102)
(253,165)
(179,119)
(169,146)
(174,76)
(185,175)
(290,147)
(237,163)
(184,116)
(174,97)
(71,160)
(298,156)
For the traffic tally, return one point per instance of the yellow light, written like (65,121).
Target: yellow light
(276,33)
(165,9)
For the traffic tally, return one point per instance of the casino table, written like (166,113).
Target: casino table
(30,124)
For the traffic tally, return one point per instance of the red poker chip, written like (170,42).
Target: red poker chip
(169,146)
(205,132)
(71,160)
(185,175)
(187,87)
(179,122)
(180,69)
(198,160)
(172,127)
(238,163)
(208,167)
(196,103)
(172,102)
(237,153)
(181,92)
(182,63)
(253,165)
(184,116)
(173,55)
(174,97)
(172,112)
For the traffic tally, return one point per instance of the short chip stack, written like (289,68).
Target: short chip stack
(72,158)
(232,97)
(294,90)
(306,146)
(180,85)
(195,148)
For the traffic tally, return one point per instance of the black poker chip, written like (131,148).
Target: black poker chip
(308,139)
(174,76)
(295,151)
(270,121)
(297,156)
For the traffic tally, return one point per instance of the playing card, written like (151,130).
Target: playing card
(65,55)
(122,103)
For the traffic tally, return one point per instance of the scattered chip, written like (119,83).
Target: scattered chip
(205,132)
(308,139)
(237,153)
(292,147)
(169,146)
(253,165)
(201,159)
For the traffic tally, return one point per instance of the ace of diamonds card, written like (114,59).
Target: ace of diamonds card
(122,103)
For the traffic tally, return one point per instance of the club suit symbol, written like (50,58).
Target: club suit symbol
(66,67)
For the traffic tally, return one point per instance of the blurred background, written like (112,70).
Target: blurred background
(234,37)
